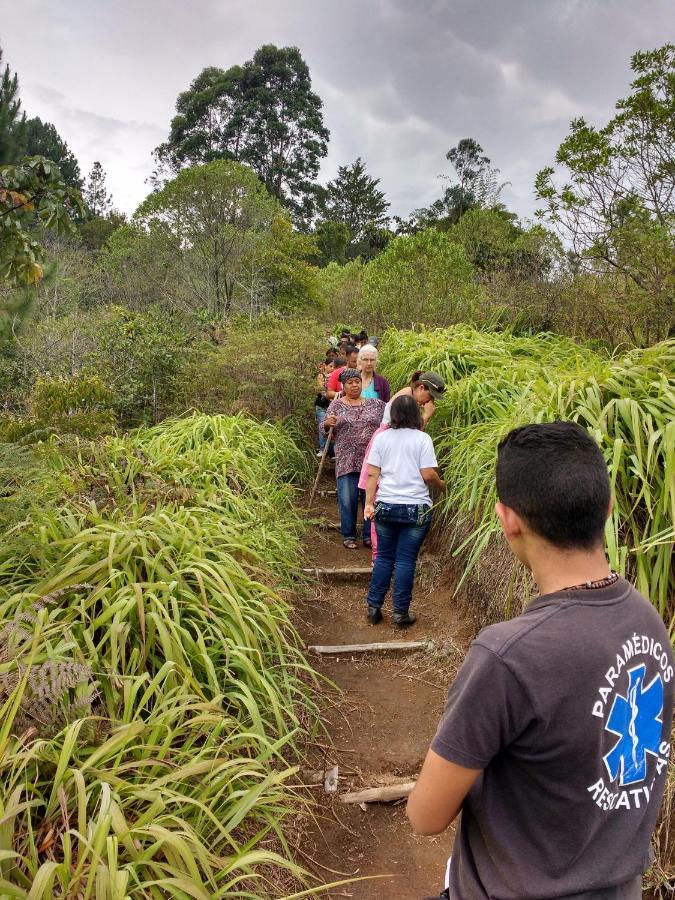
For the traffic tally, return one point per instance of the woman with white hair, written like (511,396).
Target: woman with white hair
(372,385)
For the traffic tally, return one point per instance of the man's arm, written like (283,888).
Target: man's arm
(439,793)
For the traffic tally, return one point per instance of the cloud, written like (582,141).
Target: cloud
(122,146)
(401,81)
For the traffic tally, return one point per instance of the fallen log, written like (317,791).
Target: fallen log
(385,794)
(343,570)
(336,649)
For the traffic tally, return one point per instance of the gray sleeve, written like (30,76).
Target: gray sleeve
(487,708)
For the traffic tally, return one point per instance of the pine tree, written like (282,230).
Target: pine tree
(96,198)
(40,138)
(355,199)
(11,120)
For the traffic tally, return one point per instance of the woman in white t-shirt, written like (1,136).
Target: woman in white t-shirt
(404,461)
(426,388)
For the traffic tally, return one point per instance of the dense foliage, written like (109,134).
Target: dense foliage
(31,193)
(498,381)
(152,687)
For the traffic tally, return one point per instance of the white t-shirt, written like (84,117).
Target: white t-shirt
(386,415)
(400,453)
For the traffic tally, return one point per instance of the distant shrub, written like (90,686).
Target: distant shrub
(422,278)
(266,366)
(81,405)
(341,291)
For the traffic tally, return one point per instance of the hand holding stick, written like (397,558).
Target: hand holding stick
(329,438)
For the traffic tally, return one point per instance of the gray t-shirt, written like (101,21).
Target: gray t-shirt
(567,709)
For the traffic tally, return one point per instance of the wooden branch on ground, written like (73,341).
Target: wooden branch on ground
(385,794)
(343,570)
(369,648)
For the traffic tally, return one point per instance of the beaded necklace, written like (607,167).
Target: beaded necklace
(594,585)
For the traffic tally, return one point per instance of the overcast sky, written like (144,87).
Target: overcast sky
(401,80)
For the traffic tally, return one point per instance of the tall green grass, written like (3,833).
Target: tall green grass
(154,692)
(498,381)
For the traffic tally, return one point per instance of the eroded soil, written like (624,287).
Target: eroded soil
(378,722)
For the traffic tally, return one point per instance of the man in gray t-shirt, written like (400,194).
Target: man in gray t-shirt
(554,742)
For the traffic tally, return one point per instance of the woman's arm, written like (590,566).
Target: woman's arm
(332,419)
(382,387)
(433,479)
(371,487)
(428,410)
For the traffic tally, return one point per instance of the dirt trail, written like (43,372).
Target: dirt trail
(380,725)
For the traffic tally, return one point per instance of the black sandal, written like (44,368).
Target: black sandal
(368,544)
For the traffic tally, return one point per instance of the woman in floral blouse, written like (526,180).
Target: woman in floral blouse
(354,419)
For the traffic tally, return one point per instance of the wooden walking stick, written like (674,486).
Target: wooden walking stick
(321,462)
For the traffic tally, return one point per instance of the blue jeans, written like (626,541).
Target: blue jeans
(348,497)
(401,529)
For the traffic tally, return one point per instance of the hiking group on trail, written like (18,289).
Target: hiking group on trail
(555,740)
(384,463)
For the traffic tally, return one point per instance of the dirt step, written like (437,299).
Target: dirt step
(378,646)
(337,572)
(345,571)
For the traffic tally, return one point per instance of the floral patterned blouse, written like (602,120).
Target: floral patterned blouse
(352,432)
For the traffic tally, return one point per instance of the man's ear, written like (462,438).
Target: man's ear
(509,520)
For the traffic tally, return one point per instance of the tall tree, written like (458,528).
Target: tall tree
(96,197)
(40,138)
(470,164)
(477,187)
(10,116)
(205,223)
(616,204)
(264,114)
(353,197)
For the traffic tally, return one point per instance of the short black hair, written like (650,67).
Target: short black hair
(405,413)
(339,361)
(555,477)
(329,361)
(350,348)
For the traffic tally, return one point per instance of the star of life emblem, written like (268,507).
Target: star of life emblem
(636,720)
